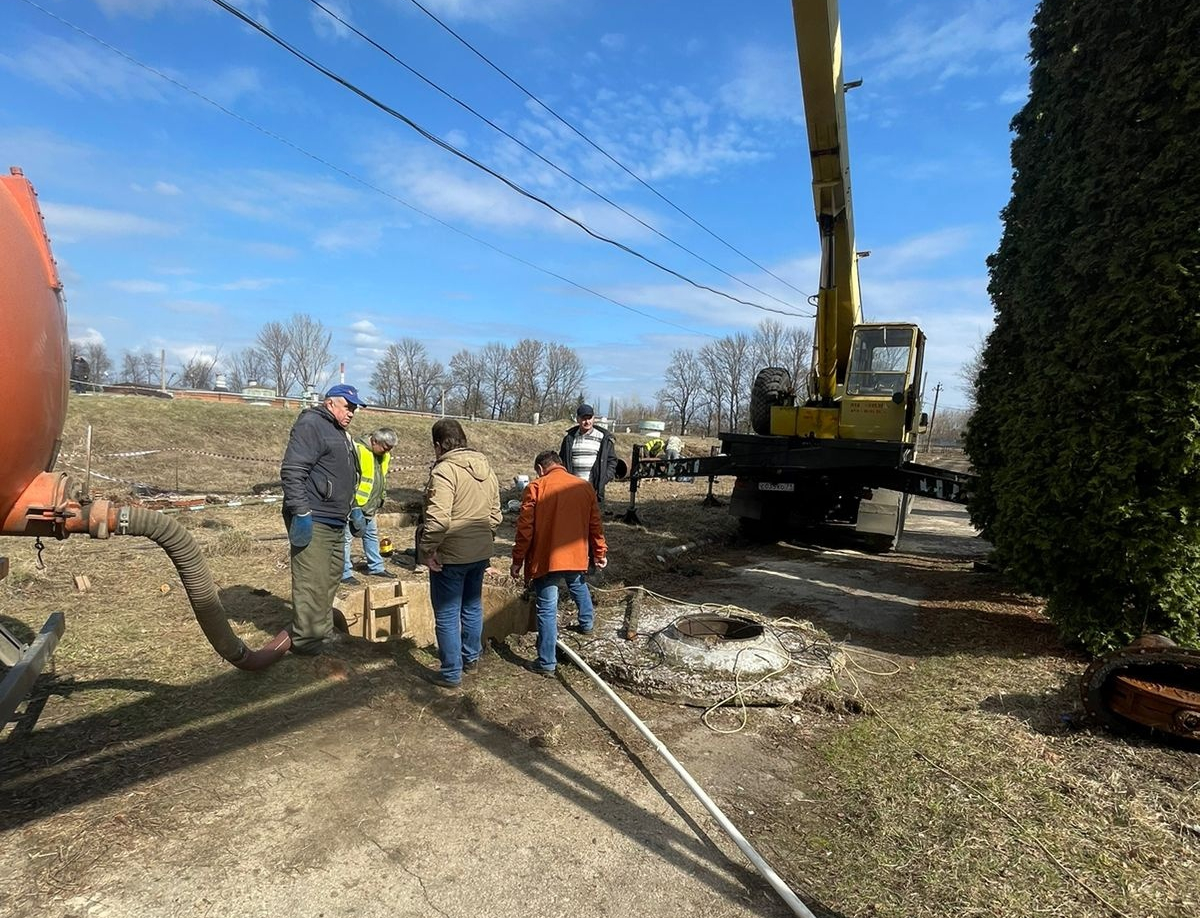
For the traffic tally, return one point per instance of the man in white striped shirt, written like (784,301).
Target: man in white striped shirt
(589,452)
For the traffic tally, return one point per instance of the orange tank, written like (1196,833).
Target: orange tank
(34,355)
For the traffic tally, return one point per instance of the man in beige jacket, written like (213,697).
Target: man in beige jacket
(461,514)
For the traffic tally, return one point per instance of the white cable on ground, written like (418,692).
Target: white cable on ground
(784,891)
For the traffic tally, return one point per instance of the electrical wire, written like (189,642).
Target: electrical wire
(601,150)
(355,178)
(465,157)
(553,165)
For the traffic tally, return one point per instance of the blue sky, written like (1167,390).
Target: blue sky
(177,225)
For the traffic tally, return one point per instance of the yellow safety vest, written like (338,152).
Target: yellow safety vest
(366,471)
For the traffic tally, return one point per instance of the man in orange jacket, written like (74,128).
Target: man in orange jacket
(558,528)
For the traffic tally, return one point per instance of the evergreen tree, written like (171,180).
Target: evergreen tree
(1087,433)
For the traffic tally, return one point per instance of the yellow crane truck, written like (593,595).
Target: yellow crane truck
(844,454)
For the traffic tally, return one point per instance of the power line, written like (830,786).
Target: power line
(355,178)
(604,152)
(553,165)
(450,148)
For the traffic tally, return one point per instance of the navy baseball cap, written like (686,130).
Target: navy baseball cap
(584,411)
(349,393)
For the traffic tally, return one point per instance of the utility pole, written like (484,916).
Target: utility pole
(937,390)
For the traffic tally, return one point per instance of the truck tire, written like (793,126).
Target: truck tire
(772,386)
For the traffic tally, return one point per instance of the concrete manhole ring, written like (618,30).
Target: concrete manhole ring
(694,655)
(710,641)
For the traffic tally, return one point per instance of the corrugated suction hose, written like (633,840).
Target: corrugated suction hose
(185,554)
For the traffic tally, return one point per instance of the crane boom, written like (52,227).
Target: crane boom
(839,306)
(842,450)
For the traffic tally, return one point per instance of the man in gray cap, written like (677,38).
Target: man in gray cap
(319,475)
(589,452)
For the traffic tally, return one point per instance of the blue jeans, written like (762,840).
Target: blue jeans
(546,591)
(456,592)
(370,540)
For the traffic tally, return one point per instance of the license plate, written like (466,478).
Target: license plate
(776,486)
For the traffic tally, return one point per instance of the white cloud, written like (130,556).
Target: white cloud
(266,195)
(193,308)
(271,250)
(166,188)
(926,249)
(231,84)
(766,85)
(145,9)
(354,235)
(1014,95)
(493,11)
(249,283)
(88,336)
(984,38)
(612,41)
(325,25)
(142,8)
(79,69)
(73,223)
(138,286)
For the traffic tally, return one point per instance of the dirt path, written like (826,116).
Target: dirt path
(376,794)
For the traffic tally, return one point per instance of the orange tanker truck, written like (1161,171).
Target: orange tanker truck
(35,500)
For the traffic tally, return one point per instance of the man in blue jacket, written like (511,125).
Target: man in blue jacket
(319,477)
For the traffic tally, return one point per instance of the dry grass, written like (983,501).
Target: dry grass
(968,788)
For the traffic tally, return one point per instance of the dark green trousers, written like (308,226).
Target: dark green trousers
(316,572)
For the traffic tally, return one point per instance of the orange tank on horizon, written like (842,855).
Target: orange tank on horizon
(34,347)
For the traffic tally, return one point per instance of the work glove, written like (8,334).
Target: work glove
(300,530)
(357,521)
(601,563)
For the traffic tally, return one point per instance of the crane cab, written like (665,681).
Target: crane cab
(878,397)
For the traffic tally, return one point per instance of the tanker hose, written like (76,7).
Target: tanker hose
(184,553)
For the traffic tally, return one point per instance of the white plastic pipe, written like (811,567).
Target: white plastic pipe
(784,891)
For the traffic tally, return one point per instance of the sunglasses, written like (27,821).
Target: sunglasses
(350,406)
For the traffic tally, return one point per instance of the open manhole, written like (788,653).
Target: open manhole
(709,642)
(711,630)
(695,654)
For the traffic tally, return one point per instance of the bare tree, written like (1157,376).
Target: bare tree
(197,372)
(496,379)
(969,371)
(768,346)
(152,367)
(683,383)
(96,355)
(385,380)
(405,377)
(132,371)
(528,358)
(466,383)
(799,358)
(733,360)
(562,380)
(774,344)
(715,384)
(249,365)
(633,409)
(948,427)
(309,358)
(275,343)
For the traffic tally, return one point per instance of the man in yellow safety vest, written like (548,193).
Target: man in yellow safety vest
(372,453)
